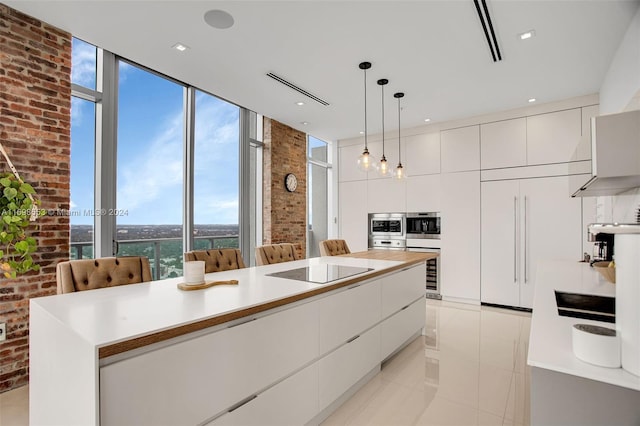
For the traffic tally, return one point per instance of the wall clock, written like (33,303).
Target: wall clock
(290,182)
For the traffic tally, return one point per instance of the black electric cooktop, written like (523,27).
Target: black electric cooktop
(320,274)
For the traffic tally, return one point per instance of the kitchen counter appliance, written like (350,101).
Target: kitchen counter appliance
(387,231)
(423,235)
(423,225)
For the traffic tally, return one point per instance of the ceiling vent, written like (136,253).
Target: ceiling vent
(297,89)
(487,26)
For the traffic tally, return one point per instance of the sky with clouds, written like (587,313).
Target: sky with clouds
(150,149)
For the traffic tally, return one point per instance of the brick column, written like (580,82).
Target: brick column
(285,213)
(35,123)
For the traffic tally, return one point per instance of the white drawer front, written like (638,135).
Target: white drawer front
(348,313)
(188,382)
(398,290)
(396,330)
(293,401)
(343,368)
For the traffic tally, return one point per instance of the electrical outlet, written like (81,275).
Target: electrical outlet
(3,331)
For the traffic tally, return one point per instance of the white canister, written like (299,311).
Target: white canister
(194,272)
(596,345)
(627,249)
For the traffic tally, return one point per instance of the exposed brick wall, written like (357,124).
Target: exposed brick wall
(35,123)
(285,213)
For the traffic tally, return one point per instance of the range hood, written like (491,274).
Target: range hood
(615,155)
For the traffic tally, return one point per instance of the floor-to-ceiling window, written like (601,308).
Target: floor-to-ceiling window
(133,179)
(150,169)
(83,139)
(318,193)
(216,173)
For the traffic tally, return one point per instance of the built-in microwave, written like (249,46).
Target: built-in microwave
(423,225)
(386,225)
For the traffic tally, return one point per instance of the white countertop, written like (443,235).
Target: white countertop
(116,314)
(550,344)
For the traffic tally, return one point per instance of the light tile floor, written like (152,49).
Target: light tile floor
(469,369)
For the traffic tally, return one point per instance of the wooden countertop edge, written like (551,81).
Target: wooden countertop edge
(139,342)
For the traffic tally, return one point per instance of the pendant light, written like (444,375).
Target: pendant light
(384,165)
(364,161)
(400,172)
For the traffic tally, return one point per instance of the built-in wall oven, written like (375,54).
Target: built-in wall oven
(387,231)
(423,235)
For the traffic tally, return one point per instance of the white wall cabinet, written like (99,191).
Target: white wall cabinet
(422,154)
(353,214)
(553,137)
(460,149)
(423,193)
(348,163)
(503,144)
(583,152)
(523,222)
(460,263)
(387,195)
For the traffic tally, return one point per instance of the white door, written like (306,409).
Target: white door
(499,236)
(551,228)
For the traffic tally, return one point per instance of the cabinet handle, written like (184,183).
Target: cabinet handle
(525,240)
(515,239)
(353,338)
(405,307)
(243,322)
(354,286)
(241,403)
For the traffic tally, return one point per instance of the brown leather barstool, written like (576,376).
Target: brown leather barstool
(91,274)
(333,247)
(216,260)
(275,253)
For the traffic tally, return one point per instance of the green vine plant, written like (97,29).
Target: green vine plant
(18,207)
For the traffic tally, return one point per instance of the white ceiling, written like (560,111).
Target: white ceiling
(434,51)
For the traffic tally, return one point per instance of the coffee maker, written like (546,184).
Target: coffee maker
(602,247)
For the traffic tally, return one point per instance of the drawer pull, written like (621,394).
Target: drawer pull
(353,338)
(241,403)
(405,307)
(354,286)
(243,322)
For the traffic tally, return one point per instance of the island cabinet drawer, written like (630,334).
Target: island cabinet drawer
(396,330)
(401,289)
(347,313)
(343,368)
(192,381)
(294,401)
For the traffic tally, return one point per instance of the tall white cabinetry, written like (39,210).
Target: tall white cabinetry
(460,261)
(353,214)
(524,221)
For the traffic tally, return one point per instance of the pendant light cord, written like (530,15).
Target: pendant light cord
(399,155)
(382,85)
(365,109)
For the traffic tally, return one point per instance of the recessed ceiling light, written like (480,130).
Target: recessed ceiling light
(362,133)
(427,120)
(219,19)
(299,103)
(532,100)
(527,35)
(179,46)
(304,123)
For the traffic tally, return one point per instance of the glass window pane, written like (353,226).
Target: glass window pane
(83,64)
(216,172)
(318,213)
(83,133)
(317,149)
(150,169)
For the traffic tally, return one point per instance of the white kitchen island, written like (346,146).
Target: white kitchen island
(266,351)
(564,389)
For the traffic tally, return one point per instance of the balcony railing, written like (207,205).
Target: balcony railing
(165,254)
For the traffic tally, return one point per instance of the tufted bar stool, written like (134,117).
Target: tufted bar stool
(275,253)
(90,274)
(333,247)
(217,260)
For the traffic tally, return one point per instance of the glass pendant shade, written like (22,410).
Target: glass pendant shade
(364,161)
(383,167)
(399,173)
